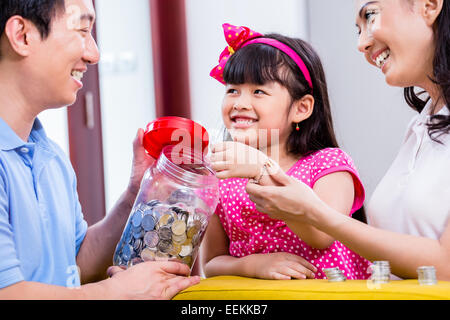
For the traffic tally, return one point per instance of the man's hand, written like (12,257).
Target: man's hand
(154,280)
(141,162)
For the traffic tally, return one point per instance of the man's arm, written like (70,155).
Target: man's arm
(148,280)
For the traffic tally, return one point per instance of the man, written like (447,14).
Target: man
(45,47)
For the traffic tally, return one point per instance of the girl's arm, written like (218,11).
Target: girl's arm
(295,200)
(216,261)
(337,191)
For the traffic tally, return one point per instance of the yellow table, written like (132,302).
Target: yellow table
(239,288)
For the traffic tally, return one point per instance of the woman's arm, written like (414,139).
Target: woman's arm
(295,200)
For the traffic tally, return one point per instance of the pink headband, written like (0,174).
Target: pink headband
(239,37)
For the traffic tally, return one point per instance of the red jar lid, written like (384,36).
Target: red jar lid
(172,131)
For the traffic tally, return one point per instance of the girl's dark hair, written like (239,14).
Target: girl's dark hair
(438,124)
(261,63)
(40,12)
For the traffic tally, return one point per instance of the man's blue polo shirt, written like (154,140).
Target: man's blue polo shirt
(41,223)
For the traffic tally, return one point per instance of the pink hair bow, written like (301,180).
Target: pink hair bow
(235,37)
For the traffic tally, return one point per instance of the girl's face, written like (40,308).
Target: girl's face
(258,115)
(394,36)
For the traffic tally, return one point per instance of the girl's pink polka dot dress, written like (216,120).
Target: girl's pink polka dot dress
(251,231)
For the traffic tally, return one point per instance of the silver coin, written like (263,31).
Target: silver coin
(137,218)
(165,246)
(151,239)
(127,252)
(186,250)
(148,222)
(165,233)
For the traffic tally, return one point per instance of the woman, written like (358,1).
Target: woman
(409,40)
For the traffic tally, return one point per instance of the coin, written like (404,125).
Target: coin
(186,250)
(139,234)
(179,239)
(179,227)
(175,249)
(127,252)
(153,203)
(151,239)
(137,218)
(148,255)
(187,260)
(166,219)
(161,256)
(137,244)
(164,246)
(148,222)
(135,261)
(165,233)
(194,228)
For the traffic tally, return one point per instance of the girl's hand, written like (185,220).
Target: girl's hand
(290,200)
(141,162)
(282,266)
(237,160)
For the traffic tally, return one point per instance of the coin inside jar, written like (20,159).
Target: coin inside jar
(186,250)
(179,239)
(166,219)
(192,230)
(179,227)
(148,222)
(148,255)
(137,218)
(151,239)
(165,233)
(165,246)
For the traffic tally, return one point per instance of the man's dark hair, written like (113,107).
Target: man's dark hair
(40,12)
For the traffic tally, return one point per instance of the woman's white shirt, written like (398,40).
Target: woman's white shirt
(414,195)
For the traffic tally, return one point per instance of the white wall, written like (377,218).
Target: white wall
(126,85)
(370,117)
(54,122)
(206,41)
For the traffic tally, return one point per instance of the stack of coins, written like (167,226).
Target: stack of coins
(334,274)
(427,275)
(157,231)
(381,272)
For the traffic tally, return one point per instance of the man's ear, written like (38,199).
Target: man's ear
(430,10)
(303,108)
(21,34)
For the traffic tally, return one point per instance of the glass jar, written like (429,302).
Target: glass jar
(178,195)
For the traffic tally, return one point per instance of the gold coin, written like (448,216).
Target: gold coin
(179,239)
(187,260)
(175,250)
(166,219)
(179,227)
(148,255)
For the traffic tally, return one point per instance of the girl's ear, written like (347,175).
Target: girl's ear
(430,10)
(303,108)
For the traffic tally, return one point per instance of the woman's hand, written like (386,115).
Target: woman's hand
(290,200)
(282,266)
(237,160)
(141,162)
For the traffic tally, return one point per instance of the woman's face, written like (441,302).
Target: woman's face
(395,37)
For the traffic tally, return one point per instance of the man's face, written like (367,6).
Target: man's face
(58,62)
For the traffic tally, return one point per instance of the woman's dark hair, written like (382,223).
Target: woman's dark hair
(438,124)
(260,63)
(40,12)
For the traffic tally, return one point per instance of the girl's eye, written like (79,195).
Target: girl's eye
(231,91)
(258,91)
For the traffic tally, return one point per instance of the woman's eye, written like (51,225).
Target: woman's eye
(370,15)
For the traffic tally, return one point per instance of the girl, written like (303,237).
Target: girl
(409,213)
(276,100)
